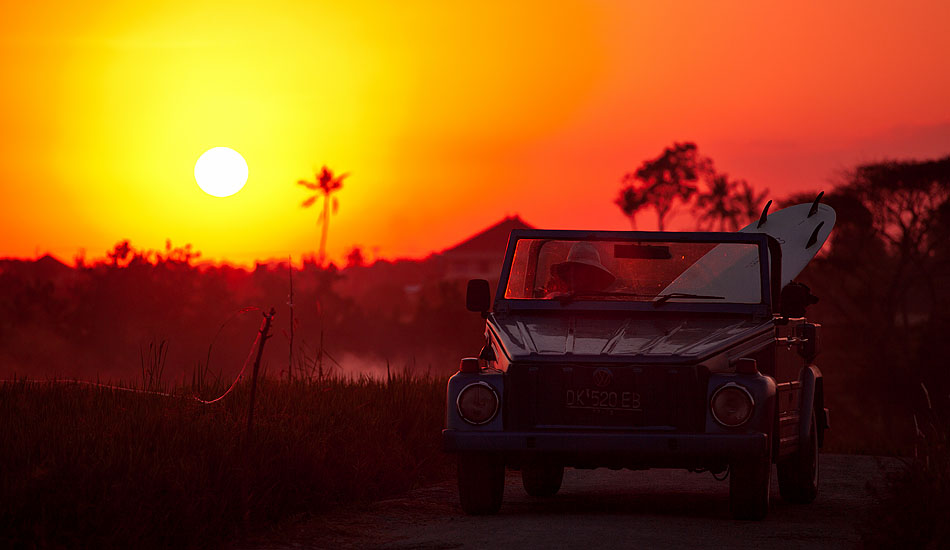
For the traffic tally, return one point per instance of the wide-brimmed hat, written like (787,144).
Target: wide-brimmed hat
(583,256)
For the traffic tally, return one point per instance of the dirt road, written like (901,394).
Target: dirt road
(604,509)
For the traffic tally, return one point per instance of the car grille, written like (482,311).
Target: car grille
(636,397)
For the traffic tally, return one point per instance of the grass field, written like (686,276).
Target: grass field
(92,467)
(83,466)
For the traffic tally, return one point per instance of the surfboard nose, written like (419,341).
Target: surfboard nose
(801,230)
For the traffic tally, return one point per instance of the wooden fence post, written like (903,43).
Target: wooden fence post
(290,359)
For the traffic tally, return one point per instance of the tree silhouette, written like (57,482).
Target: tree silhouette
(887,274)
(632,198)
(121,251)
(718,203)
(325,183)
(354,258)
(749,202)
(681,174)
(662,181)
(727,203)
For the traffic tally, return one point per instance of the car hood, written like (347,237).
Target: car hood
(525,336)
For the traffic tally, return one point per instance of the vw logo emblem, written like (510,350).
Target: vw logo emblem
(603,377)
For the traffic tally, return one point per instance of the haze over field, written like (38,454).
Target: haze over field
(446,116)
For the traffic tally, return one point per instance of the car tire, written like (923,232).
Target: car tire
(481,482)
(798,474)
(542,480)
(750,482)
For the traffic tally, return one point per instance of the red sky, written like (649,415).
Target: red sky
(447,116)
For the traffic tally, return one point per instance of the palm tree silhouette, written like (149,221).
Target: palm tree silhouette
(325,184)
(719,203)
(750,202)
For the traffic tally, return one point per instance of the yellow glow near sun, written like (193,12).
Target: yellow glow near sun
(221,172)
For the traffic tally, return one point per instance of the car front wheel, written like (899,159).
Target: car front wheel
(481,479)
(798,474)
(749,486)
(542,480)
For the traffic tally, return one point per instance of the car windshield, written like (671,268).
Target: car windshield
(628,270)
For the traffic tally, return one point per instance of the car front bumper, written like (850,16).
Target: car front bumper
(650,449)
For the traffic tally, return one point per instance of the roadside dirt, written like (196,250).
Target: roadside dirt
(603,508)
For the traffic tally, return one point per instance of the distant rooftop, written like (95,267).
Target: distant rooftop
(492,240)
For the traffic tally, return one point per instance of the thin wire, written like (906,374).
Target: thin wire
(240,374)
(134,390)
(88,383)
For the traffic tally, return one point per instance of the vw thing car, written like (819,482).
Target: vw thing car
(643,350)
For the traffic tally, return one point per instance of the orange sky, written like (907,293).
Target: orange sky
(448,116)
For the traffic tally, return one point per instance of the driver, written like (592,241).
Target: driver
(582,271)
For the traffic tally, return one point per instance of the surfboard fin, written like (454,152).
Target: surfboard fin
(765,214)
(814,205)
(814,234)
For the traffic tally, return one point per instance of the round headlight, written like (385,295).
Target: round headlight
(477,403)
(731,405)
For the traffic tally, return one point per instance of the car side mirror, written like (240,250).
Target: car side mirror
(478,296)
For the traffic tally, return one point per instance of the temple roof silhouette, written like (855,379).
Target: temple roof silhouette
(492,240)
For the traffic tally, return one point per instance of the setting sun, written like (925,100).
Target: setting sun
(437,109)
(221,172)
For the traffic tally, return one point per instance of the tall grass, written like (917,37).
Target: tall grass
(83,466)
(914,505)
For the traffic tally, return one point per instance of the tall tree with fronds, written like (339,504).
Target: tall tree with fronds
(325,184)
(718,203)
(750,202)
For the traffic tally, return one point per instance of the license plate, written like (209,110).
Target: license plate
(605,400)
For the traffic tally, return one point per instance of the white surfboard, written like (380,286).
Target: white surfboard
(801,230)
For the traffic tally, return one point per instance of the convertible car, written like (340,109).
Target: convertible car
(646,350)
